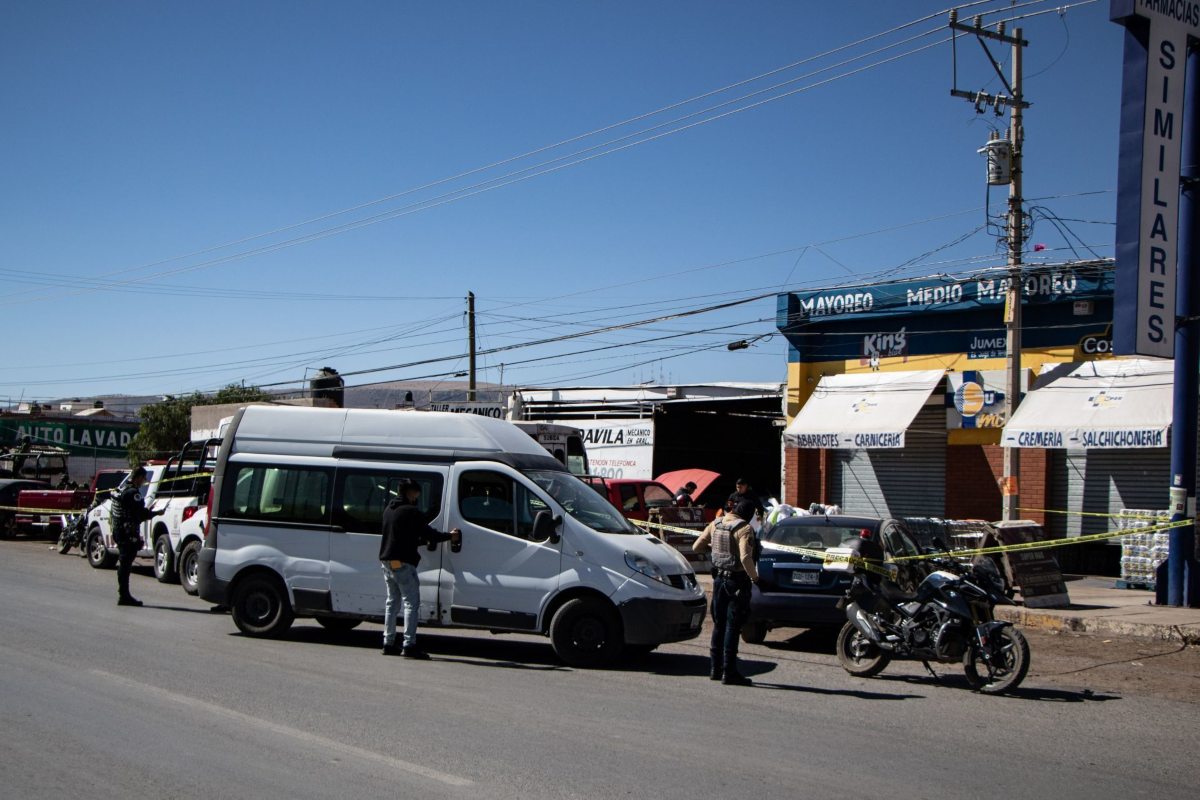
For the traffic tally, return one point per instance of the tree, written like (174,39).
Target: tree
(167,426)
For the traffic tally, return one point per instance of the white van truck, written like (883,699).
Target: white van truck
(295,524)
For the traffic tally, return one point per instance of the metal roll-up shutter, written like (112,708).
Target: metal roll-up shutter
(908,482)
(1106,481)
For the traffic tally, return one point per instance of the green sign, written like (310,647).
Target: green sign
(85,437)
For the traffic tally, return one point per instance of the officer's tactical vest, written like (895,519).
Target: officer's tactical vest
(724,546)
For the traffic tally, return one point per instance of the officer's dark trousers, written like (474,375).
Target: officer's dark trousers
(730,607)
(127,552)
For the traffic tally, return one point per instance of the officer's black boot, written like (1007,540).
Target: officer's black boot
(715,669)
(733,676)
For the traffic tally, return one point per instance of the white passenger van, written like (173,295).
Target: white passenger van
(294,530)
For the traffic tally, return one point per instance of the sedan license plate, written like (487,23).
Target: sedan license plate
(806,578)
(696,618)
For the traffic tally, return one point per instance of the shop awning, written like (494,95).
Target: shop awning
(1094,404)
(862,411)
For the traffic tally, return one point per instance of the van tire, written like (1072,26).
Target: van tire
(260,607)
(338,624)
(164,560)
(585,632)
(189,568)
(97,554)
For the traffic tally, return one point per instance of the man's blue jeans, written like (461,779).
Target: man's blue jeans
(402,584)
(730,607)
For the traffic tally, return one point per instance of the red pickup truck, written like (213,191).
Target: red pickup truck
(650,501)
(49,508)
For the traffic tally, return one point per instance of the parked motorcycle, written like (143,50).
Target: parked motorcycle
(74,527)
(948,619)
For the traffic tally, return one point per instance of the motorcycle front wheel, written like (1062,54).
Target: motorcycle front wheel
(1010,669)
(858,655)
(66,538)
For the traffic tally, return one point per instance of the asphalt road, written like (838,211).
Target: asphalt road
(165,701)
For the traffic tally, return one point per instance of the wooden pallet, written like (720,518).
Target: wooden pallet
(1143,585)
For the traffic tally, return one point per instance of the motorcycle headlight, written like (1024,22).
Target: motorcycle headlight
(645,566)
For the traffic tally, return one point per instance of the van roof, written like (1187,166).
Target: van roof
(302,431)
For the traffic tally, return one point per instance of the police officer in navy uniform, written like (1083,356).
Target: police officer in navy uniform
(732,543)
(128,514)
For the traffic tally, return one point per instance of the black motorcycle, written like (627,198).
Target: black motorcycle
(948,619)
(74,527)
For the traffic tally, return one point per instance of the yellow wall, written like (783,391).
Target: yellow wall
(802,379)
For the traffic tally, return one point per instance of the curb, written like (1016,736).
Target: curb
(1188,634)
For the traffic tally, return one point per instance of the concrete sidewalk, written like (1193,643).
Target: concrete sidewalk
(1098,607)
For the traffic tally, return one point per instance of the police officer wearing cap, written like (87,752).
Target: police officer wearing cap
(731,541)
(128,514)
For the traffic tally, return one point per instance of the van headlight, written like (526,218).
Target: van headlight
(645,566)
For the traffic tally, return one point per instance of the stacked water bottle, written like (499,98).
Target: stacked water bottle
(1141,553)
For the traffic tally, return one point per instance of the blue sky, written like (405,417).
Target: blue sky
(161,160)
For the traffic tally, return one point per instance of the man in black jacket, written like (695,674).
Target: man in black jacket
(128,514)
(404,531)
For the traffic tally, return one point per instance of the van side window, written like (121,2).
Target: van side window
(362,495)
(280,494)
(496,502)
(486,498)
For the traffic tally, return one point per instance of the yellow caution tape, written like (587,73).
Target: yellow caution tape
(1047,543)
(26,510)
(1004,548)
(660,526)
(186,477)
(1151,515)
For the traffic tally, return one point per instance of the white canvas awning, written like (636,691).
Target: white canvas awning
(1096,404)
(862,411)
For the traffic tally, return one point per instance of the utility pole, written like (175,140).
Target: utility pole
(471,346)
(1004,166)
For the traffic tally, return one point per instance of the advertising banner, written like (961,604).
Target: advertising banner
(975,398)
(619,448)
(80,437)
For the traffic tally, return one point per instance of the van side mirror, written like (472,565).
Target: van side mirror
(545,527)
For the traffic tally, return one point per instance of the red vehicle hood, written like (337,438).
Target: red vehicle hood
(703,478)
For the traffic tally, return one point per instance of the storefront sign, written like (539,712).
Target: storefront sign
(80,437)
(1152,92)
(987,290)
(619,448)
(493,410)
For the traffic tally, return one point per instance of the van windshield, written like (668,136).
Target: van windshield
(582,502)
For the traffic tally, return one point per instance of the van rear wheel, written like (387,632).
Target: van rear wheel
(585,632)
(261,607)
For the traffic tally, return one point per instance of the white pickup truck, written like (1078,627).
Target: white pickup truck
(180,489)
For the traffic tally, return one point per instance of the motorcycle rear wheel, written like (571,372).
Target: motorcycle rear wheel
(858,655)
(1004,676)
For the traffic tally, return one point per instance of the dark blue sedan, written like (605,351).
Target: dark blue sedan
(796,591)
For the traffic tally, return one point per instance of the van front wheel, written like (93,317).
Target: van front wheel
(261,607)
(585,632)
